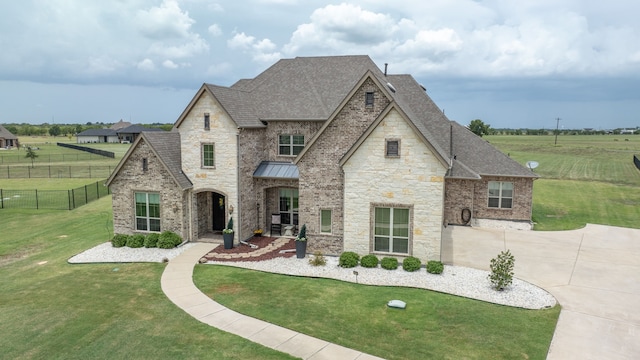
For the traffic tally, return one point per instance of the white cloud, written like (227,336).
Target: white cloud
(146,65)
(169,64)
(215,30)
(260,50)
(164,21)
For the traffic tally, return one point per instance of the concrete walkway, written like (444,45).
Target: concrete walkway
(177,284)
(593,272)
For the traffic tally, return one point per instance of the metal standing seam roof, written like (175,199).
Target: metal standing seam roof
(276,170)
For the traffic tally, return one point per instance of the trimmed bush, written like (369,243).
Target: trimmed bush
(317,259)
(389,263)
(348,259)
(411,264)
(369,261)
(135,241)
(435,267)
(502,270)
(169,240)
(119,240)
(151,240)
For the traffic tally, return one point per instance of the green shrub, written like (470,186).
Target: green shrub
(389,263)
(411,264)
(151,240)
(317,259)
(135,241)
(435,267)
(348,259)
(119,240)
(369,261)
(168,240)
(501,267)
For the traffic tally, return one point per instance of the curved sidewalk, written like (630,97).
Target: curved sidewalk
(177,284)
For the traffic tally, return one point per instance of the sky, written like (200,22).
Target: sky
(512,64)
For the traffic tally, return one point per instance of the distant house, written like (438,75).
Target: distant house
(627,131)
(7,139)
(120,125)
(365,159)
(97,136)
(130,133)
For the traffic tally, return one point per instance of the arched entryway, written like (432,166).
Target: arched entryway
(211,214)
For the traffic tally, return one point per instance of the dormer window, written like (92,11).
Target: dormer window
(392,148)
(290,145)
(368,99)
(207,121)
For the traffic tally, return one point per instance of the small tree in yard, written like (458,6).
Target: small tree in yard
(31,154)
(502,270)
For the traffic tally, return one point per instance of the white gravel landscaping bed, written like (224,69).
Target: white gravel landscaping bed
(456,280)
(106,253)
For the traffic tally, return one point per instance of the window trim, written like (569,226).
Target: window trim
(369,99)
(202,153)
(372,248)
(146,217)
(145,165)
(500,196)
(330,221)
(207,121)
(386,148)
(290,146)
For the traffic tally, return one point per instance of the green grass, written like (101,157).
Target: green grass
(50,309)
(584,179)
(434,325)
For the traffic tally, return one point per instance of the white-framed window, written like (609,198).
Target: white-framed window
(290,145)
(325,221)
(392,148)
(391,229)
(208,156)
(147,211)
(500,194)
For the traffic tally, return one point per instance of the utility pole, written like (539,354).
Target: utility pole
(557,125)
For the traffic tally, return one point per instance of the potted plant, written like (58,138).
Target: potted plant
(301,242)
(257,233)
(227,235)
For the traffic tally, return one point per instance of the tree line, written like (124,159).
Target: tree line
(479,128)
(65,130)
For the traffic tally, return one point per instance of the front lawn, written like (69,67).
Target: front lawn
(433,326)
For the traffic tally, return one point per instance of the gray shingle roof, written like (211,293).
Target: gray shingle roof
(166,145)
(136,129)
(6,134)
(98,132)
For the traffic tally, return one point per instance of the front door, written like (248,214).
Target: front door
(218,211)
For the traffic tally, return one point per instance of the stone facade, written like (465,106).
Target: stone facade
(321,184)
(414,180)
(132,178)
(223,177)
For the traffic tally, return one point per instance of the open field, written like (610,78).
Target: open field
(584,179)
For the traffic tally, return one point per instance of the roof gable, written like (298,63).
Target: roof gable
(6,134)
(166,146)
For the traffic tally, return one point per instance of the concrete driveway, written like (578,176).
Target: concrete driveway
(593,272)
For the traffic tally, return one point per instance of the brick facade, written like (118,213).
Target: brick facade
(132,178)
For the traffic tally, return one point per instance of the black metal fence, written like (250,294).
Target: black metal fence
(88,149)
(55,171)
(52,199)
(47,158)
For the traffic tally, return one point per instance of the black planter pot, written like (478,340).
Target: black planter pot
(301,249)
(228,240)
